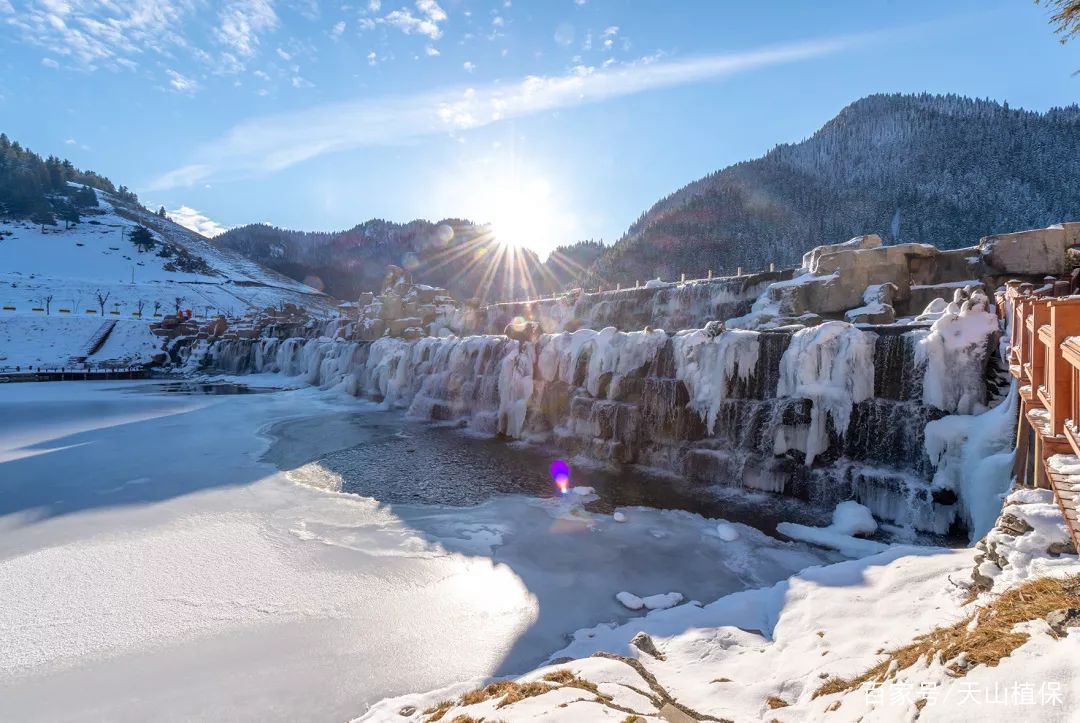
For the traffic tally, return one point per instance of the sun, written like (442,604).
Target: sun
(522,216)
(522,204)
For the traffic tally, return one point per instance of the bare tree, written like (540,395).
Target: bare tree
(76,302)
(139,306)
(101,299)
(157,307)
(46,301)
(179,301)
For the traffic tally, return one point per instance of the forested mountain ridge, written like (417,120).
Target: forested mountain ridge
(935,169)
(40,189)
(453,253)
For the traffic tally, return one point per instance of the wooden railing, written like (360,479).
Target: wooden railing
(1044,357)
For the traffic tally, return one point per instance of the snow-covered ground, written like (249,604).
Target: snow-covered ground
(96,256)
(762,654)
(38,341)
(151,567)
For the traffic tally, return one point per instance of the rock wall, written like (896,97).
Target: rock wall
(824,413)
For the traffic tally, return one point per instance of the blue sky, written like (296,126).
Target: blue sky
(557,120)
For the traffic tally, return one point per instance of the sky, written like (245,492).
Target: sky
(554,120)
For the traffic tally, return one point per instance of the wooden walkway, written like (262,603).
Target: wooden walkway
(1044,358)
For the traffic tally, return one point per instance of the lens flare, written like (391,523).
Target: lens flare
(560,472)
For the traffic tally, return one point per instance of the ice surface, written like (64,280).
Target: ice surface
(182,585)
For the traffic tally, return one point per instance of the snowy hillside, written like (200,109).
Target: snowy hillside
(58,284)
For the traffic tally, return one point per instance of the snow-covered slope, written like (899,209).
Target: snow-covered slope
(96,258)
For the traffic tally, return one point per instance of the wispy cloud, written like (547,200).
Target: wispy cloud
(278,141)
(99,32)
(181,83)
(189,218)
(425,22)
(241,22)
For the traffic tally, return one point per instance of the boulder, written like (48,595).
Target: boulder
(643,642)
(395,276)
(398,326)
(860,268)
(810,258)
(428,294)
(371,329)
(1061,620)
(426,312)
(1033,252)
(391,308)
(871,314)
(366,297)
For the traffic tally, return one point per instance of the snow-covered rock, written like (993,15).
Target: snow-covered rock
(629,600)
(851,518)
(727,532)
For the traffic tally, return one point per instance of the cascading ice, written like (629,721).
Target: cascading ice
(832,365)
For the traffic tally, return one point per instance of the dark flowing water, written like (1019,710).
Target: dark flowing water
(400,461)
(197,388)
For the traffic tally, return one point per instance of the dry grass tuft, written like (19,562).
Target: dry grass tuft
(773,702)
(437,711)
(521,691)
(990,638)
(559,676)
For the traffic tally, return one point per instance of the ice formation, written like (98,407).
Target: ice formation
(707,364)
(974,456)
(832,365)
(955,354)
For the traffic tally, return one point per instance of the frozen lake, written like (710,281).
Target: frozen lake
(188,556)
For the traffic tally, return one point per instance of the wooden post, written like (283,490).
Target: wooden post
(682,279)
(710,274)
(637,283)
(738,271)
(618,286)
(772,266)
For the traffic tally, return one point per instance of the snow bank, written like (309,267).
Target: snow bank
(661,601)
(851,518)
(832,538)
(973,456)
(833,366)
(707,364)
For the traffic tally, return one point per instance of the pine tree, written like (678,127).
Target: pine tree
(142,238)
